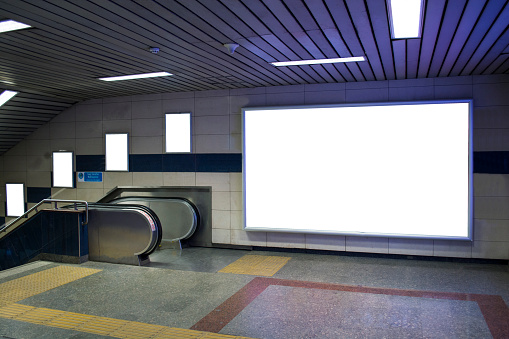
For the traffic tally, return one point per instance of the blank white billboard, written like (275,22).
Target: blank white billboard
(63,174)
(399,169)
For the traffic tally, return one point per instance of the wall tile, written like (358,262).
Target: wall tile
(38,147)
(448,81)
(286,89)
(325,97)
(410,93)
(147,179)
(147,97)
(147,127)
(220,182)
(63,145)
(38,179)
(366,85)
(117,111)
(286,98)
(236,143)
(367,95)
(63,193)
(211,143)
(491,94)
(237,220)
(239,237)
(92,112)
(220,219)
(14,177)
(39,163)
(15,163)
(179,179)
(490,79)
(490,185)
(146,145)
(178,105)
(235,123)
(221,201)
(211,106)
(121,99)
(248,91)
(62,130)
(90,146)
(491,117)
(367,244)
(411,246)
(286,240)
(90,194)
(491,230)
(325,242)
(114,179)
(221,236)
(333,87)
(219,124)
(236,201)
(212,93)
(491,207)
(453,92)
(117,126)
(491,139)
(19,149)
(89,129)
(147,109)
(490,249)
(452,248)
(236,182)
(178,95)
(411,83)
(89,185)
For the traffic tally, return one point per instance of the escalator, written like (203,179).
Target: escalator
(126,229)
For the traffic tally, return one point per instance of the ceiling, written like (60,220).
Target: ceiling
(56,63)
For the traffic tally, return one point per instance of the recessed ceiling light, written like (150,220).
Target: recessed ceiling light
(405,18)
(317,61)
(11,25)
(6,96)
(137,76)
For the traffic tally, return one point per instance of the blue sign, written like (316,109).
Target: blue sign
(90,176)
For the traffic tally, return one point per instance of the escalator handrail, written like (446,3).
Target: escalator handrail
(49,201)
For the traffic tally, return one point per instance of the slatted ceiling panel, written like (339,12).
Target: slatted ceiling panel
(74,42)
(488,16)
(341,17)
(468,20)
(363,27)
(399,51)
(492,45)
(378,15)
(451,20)
(431,27)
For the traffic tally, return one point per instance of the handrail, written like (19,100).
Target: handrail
(49,201)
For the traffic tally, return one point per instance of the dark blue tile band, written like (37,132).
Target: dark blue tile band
(90,163)
(491,162)
(179,162)
(146,163)
(36,194)
(229,162)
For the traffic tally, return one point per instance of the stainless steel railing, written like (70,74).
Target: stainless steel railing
(35,208)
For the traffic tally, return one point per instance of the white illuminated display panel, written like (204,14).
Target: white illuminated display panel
(178,132)
(117,152)
(393,169)
(63,169)
(15,194)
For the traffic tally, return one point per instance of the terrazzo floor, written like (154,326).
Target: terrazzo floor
(187,294)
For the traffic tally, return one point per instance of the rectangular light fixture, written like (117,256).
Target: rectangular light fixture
(6,96)
(405,18)
(318,61)
(137,76)
(11,25)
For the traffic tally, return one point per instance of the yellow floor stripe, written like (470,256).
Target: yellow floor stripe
(262,265)
(30,285)
(101,325)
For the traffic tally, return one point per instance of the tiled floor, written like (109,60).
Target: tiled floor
(219,293)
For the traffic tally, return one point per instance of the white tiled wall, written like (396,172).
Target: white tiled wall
(217,129)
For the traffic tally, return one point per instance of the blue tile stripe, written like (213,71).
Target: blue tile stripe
(36,194)
(484,162)
(219,162)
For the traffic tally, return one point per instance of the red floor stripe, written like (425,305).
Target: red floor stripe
(493,307)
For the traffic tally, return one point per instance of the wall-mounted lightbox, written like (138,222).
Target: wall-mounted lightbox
(63,169)
(117,152)
(15,195)
(395,169)
(178,132)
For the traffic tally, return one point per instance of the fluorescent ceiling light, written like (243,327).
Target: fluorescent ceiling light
(405,18)
(6,96)
(317,61)
(11,25)
(137,76)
